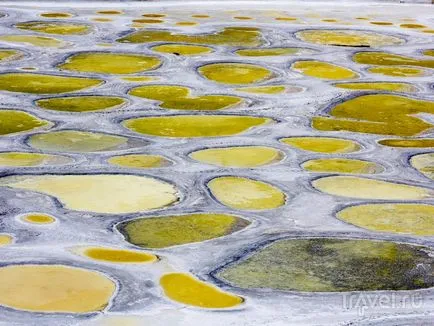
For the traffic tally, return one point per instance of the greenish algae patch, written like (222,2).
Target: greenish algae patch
(80,103)
(397,115)
(8,55)
(408,143)
(25,159)
(270,52)
(13,121)
(275,89)
(379,86)
(110,63)
(41,41)
(175,230)
(188,290)
(389,59)
(38,218)
(139,161)
(122,193)
(179,98)
(246,194)
(54,289)
(356,187)
(424,163)
(322,144)
(194,125)
(60,28)
(76,141)
(5,239)
(398,71)
(342,165)
(324,70)
(229,36)
(115,255)
(333,265)
(44,84)
(348,38)
(235,73)
(182,49)
(414,219)
(239,156)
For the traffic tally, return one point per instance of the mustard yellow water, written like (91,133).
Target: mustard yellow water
(246,194)
(270,52)
(81,103)
(408,143)
(109,12)
(182,49)
(122,193)
(379,86)
(24,159)
(186,23)
(139,161)
(424,163)
(54,289)
(38,218)
(56,15)
(348,38)
(381,23)
(363,188)
(110,63)
(413,26)
(60,28)
(324,70)
(76,141)
(238,157)
(12,122)
(41,41)
(5,239)
(412,219)
(235,73)
(44,84)
(361,114)
(429,52)
(139,79)
(117,256)
(179,98)
(322,144)
(342,165)
(390,59)
(188,290)
(194,125)
(174,230)
(229,36)
(7,55)
(276,89)
(398,71)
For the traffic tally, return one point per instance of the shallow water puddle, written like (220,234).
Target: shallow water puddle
(182,49)
(56,15)
(188,290)
(5,239)
(34,40)
(361,114)
(412,26)
(342,165)
(76,141)
(194,125)
(231,36)
(380,86)
(81,103)
(7,55)
(122,193)
(54,288)
(398,71)
(322,144)
(139,161)
(38,218)
(175,230)
(239,156)
(414,219)
(429,52)
(12,121)
(24,159)
(348,38)
(408,143)
(114,255)
(325,70)
(179,98)
(355,187)
(235,73)
(389,59)
(246,194)
(110,63)
(424,163)
(333,265)
(60,28)
(269,52)
(44,84)
(275,89)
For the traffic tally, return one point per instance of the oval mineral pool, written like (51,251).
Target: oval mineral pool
(56,15)
(12,122)
(5,239)
(271,52)
(174,230)
(235,73)
(246,194)
(123,193)
(275,89)
(342,165)
(139,161)
(60,28)
(182,49)
(38,218)
(115,255)
(398,71)
(324,70)
(408,143)
(414,219)
(8,55)
(379,86)
(424,163)
(390,59)
(322,144)
(41,41)
(81,103)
